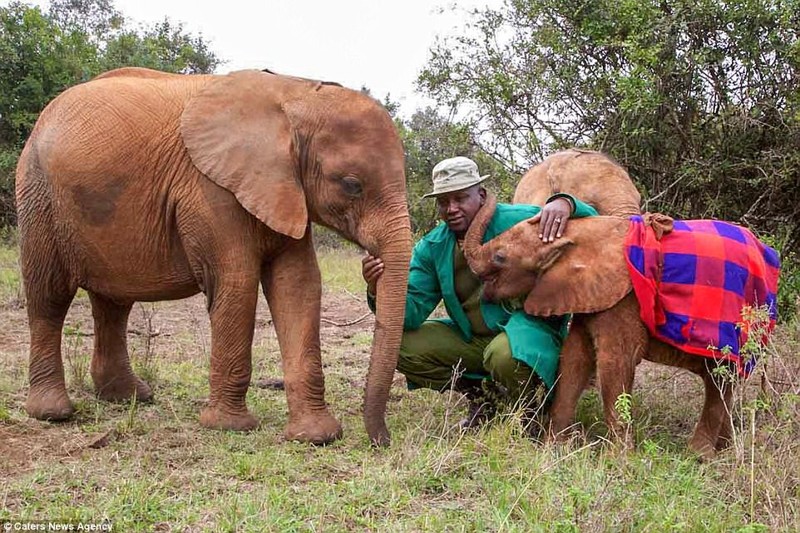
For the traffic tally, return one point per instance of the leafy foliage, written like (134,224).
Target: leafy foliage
(41,54)
(700,100)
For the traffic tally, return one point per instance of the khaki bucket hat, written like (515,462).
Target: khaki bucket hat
(454,174)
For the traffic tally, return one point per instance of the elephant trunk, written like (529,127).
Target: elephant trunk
(395,251)
(476,254)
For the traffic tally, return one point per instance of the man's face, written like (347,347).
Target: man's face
(458,208)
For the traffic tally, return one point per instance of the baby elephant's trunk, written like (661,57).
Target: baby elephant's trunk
(476,254)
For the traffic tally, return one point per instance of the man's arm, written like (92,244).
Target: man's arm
(579,208)
(557,210)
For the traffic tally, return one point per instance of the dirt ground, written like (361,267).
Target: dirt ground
(169,327)
(179,332)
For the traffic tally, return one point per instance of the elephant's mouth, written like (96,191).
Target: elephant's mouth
(489,289)
(489,276)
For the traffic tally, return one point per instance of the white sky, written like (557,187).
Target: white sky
(382,45)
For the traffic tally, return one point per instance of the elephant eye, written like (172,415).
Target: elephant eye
(352,186)
(499,258)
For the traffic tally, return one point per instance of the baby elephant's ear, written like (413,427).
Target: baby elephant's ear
(238,135)
(583,272)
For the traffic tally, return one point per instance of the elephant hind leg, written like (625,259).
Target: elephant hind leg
(49,295)
(47,395)
(714,429)
(111,370)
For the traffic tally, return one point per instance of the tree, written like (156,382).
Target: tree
(37,61)
(43,54)
(700,100)
(165,46)
(96,19)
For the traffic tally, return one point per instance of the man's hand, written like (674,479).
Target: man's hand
(553,219)
(371,269)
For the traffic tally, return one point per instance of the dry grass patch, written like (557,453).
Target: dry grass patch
(150,467)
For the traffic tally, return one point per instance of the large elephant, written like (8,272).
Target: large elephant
(590,176)
(142,186)
(586,272)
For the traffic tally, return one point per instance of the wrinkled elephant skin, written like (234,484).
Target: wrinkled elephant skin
(585,273)
(590,176)
(142,186)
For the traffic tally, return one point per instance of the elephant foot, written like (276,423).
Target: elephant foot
(316,428)
(122,390)
(623,440)
(219,418)
(51,404)
(723,443)
(701,445)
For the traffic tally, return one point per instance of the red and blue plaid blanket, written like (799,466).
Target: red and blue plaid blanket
(693,283)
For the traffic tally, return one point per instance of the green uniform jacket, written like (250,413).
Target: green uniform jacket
(535,341)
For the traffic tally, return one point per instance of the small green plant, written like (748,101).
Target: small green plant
(754,328)
(624,407)
(723,372)
(128,423)
(145,362)
(77,360)
(11,287)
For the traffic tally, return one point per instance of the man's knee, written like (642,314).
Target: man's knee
(415,346)
(419,357)
(509,372)
(498,360)
(502,366)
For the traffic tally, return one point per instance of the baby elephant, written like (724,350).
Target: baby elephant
(639,287)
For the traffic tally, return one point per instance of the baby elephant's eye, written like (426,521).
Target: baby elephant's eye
(352,186)
(499,258)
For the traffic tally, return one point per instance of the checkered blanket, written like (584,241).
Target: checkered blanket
(693,282)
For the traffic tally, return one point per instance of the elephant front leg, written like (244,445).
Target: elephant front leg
(111,370)
(620,341)
(292,286)
(232,310)
(576,366)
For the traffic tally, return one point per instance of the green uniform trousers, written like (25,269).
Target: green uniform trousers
(434,355)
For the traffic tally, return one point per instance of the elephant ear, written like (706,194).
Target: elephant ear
(238,135)
(583,272)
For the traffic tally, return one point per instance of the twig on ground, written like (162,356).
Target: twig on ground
(355,296)
(350,323)
(134,331)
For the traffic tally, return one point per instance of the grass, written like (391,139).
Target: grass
(157,470)
(338,272)
(10,278)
